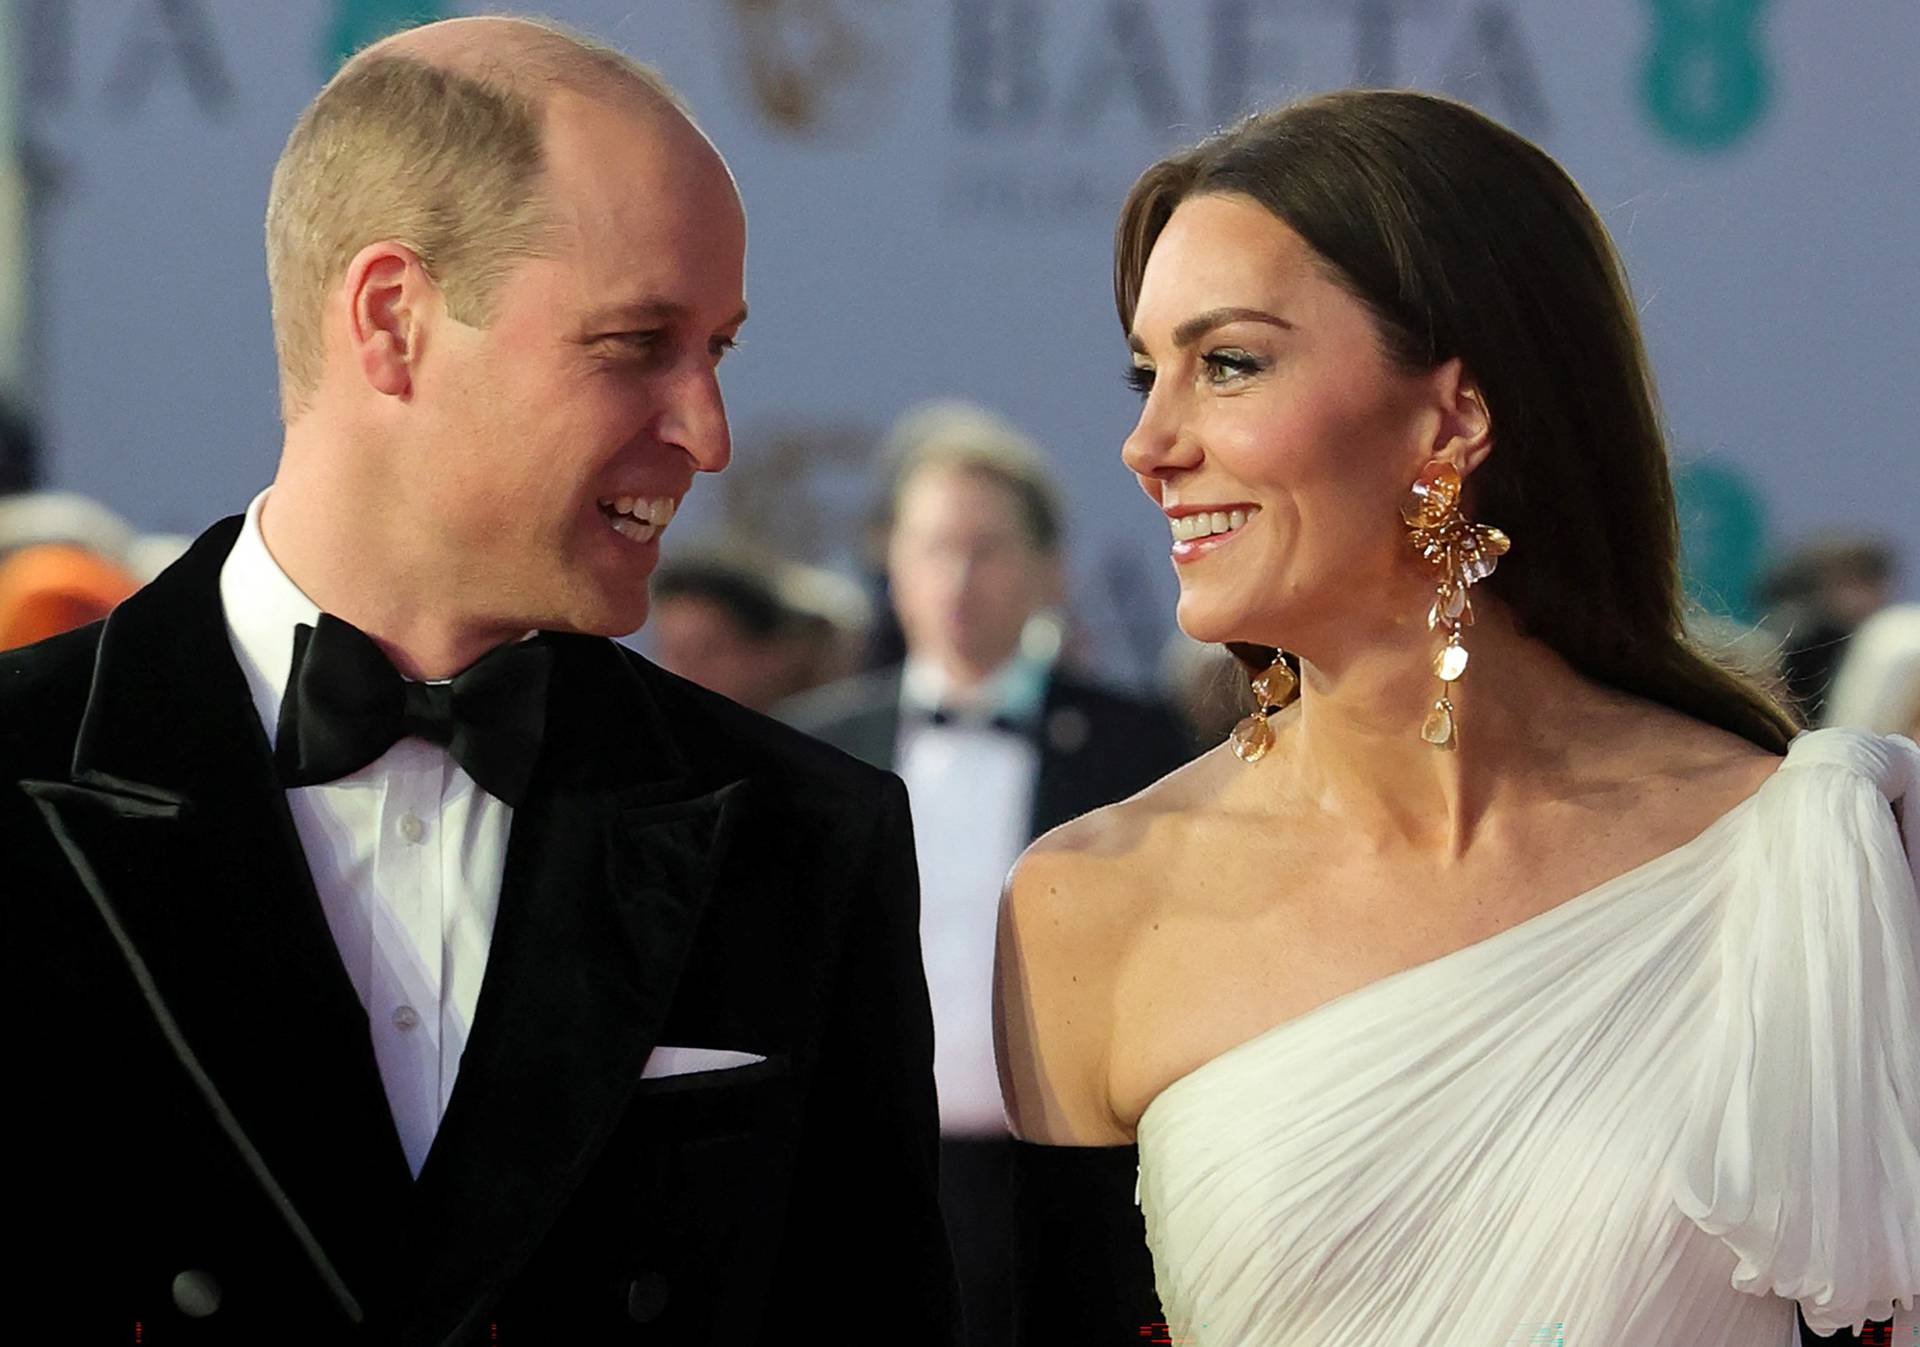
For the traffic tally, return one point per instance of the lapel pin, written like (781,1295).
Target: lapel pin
(1067,730)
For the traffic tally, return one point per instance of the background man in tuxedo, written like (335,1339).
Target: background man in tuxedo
(541,997)
(997,743)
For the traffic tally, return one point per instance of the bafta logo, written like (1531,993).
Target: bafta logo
(822,69)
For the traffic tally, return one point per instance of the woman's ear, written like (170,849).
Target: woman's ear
(1466,423)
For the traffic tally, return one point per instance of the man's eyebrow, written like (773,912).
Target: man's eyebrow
(649,308)
(652,309)
(1200,324)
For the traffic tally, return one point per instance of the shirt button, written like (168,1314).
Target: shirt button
(405,1018)
(196,1294)
(411,828)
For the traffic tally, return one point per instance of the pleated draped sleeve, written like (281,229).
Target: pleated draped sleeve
(1800,1149)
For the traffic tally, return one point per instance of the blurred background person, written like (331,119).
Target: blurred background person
(753,629)
(833,623)
(1877,686)
(1814,597)
(997,743)
(66,560)
(61,564)
(54,587)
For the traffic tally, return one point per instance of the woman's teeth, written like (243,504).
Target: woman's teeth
(638,517)
(1188,527)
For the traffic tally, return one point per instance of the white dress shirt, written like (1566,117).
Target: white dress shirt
(970,787)
(406,854)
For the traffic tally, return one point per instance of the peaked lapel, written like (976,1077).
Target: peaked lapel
(179,832)
(609,866)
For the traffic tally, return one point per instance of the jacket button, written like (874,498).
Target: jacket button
(646,1297)
(196,1294)
(1068,730)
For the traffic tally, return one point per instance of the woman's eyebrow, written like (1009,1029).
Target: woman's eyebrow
(1200,324)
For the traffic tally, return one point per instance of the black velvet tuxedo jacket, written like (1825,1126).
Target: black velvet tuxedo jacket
(1096,746)
(194,1090)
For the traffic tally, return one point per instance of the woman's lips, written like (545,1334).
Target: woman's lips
(1200,533)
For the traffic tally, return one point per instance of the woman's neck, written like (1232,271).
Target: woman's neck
(1355,745)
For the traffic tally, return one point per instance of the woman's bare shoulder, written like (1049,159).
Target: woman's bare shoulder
(1671,772)
(1072,905)
(1077,890)
(1090,870)
(1695,755)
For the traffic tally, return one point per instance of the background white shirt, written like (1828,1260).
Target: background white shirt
(406,854)
(970,787)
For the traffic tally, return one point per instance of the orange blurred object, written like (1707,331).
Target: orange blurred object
(49,588)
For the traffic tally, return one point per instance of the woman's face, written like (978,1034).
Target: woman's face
(1271,407)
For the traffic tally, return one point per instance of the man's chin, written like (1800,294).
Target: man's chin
(614,621)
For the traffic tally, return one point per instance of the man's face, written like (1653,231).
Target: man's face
(964,573)
(593,385)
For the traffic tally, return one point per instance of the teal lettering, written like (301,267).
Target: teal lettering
(356,23)
(1705,79)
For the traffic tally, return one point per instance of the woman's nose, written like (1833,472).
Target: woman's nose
(1159,445)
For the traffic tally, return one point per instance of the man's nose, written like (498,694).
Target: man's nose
(696,420)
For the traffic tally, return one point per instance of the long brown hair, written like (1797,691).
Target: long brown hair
(1465,239)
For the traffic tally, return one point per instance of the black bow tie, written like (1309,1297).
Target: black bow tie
(943,716)
(346,705)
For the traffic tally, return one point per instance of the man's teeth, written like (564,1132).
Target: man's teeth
(640,518)
(1187,527)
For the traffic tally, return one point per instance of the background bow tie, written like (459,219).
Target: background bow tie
(346,705)
(941,715)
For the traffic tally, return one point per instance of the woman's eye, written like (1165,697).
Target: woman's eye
(1139,378)
(1224,366)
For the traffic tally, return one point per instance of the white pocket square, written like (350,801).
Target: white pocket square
(665,1061)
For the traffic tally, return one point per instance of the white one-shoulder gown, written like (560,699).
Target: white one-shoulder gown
(1652,1115)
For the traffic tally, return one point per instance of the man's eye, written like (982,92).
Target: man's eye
(1139,378)
(721,345)
(632,342)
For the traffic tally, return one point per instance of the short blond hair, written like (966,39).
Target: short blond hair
(958,436)
(447,159)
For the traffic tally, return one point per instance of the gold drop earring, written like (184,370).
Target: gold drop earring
(1273,688)
(1464,553)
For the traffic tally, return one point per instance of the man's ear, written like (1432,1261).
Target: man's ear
(388,298)
(1466,424)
